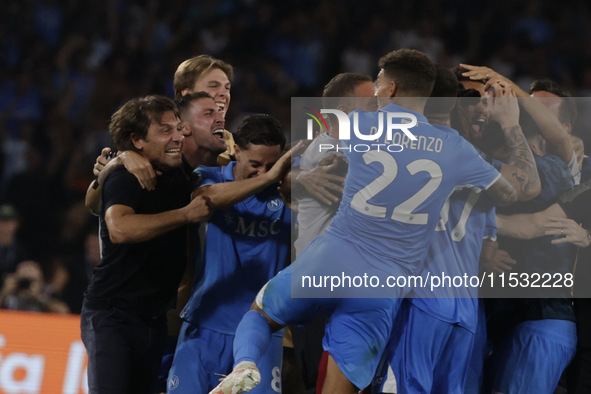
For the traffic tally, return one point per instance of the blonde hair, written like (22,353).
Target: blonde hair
(191,69)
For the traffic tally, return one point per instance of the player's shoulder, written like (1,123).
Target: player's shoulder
(121,184)
(211,173)
(120,175)
(445,129)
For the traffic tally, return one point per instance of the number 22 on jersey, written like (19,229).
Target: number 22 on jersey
(405,211)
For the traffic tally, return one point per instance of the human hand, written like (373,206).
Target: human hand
(283,165)
(500,262)
(9,286)
(141,168)
(503,105)
(567,231)
(482,73)
(322,183)
(579,148)
(101,161)
(199,209)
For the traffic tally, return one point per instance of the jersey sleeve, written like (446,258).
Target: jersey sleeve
(204,175)
(493,162)
(575,203)
(490,227)
(496,164)
(476,173)
(121,188)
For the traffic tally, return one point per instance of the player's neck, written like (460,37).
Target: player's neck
(236,174)
(201,158)
(416,104)
(440,119)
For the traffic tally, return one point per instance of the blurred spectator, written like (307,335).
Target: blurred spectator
(11,250)
(25,290)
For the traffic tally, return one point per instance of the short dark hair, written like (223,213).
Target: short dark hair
(344,84)
(550,86)
(259,129)
(133,119)
(185,101)
(568,109)
(411,70)
(446,85)
(192,69)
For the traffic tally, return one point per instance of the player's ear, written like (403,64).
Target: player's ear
(137,142)
(535,150)
(344,108)
(392,88)
(236,151)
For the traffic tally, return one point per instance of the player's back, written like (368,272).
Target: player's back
(392,200)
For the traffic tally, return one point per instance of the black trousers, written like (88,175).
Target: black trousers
(579,372)
(124,350)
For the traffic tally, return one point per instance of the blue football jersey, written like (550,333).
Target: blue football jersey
(243,247)
(467,218)
(392,200)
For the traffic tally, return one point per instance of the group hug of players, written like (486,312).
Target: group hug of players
(175,189)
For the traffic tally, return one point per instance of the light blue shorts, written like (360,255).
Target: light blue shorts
(424,355)
(357,330)
(204,356)
(533,356)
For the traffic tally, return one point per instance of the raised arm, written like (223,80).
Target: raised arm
(226,194)
(502,192)
(550,127)
(93,193)
(520,169)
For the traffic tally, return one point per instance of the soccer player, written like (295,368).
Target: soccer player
(314,215)
(385,221)
(205,74)
(563,222)
(198,74)
(345,92)
(143,252)
(431,347)
(554,132)
(536,335)
(558,100)
(247,241)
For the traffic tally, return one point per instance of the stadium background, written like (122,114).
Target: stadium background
(66,65)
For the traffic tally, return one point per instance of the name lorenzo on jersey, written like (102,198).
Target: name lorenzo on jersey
(424,143)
